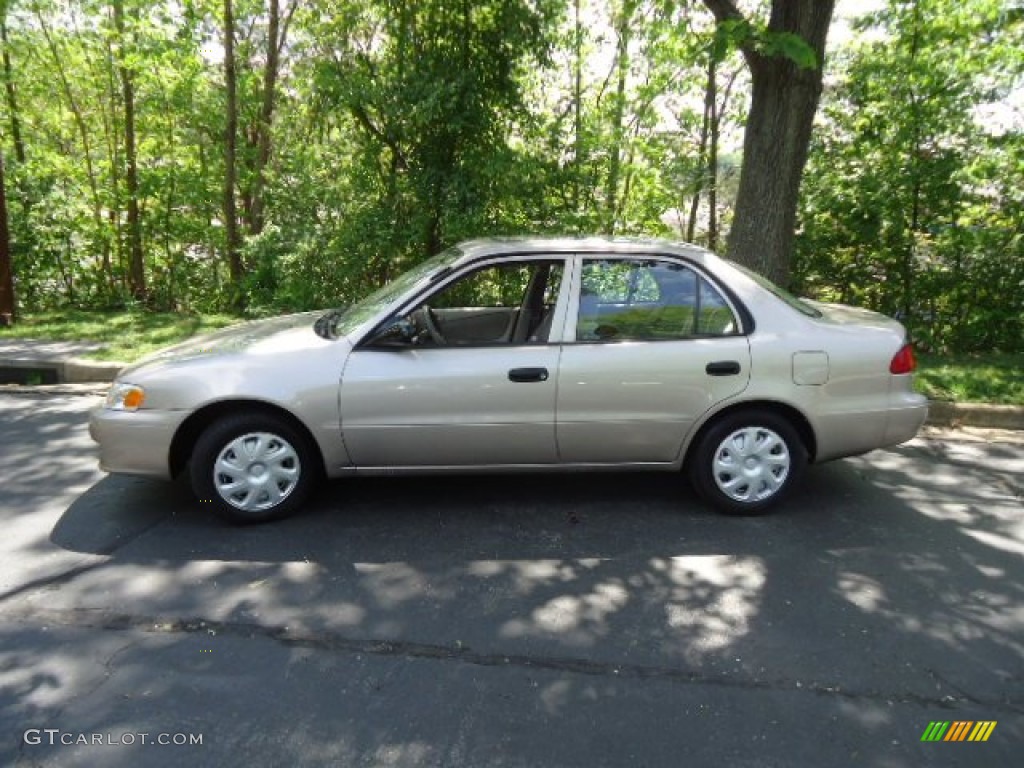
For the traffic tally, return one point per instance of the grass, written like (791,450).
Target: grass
(972,378)
(126,336)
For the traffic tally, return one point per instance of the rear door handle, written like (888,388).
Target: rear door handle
(527,375)
(722,368)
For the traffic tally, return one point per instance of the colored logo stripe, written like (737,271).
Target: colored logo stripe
(959,730)
(982,731)
(935,731)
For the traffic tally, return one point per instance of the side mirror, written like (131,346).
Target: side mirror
(397,333)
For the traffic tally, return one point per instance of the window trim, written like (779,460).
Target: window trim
(567,306)
(793,301)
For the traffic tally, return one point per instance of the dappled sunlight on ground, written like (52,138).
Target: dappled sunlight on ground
(621,589)
(889,578)
(960,581)
(713,598)
(43,473)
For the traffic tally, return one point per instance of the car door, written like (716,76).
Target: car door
(473,385)
(651,345)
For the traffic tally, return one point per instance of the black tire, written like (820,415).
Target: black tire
(275,464)
(747,462)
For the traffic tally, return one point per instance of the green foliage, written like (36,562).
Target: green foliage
(428,90)
(790,46)
(125,336)
(767,42)
(399,128)
(972,378)
(911,202)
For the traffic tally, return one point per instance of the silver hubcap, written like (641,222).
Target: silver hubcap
(256,471)
(751,464)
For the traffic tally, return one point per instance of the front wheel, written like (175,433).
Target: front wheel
(748,462)
(251,468)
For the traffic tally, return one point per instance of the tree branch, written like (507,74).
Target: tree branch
(725,11)
(361,115)
(285,24)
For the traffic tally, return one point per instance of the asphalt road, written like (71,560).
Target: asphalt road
(583,620)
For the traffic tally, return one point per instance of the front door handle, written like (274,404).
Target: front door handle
(722,368)
(527,375)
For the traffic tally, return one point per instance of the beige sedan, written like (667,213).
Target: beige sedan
(525,355)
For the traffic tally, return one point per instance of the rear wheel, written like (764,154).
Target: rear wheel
(747,462)
(252,468)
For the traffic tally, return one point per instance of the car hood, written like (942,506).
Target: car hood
(288,332)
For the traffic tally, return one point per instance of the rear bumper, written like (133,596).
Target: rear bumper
(906,417)
(851,433)
(136,443)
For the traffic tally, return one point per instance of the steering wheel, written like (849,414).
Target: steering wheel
(431,324)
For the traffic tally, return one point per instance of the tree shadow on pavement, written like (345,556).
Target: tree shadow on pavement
(885,595)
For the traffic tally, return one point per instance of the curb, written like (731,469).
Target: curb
(83,371)
(67,371)
(945,413)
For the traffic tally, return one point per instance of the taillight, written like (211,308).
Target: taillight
(903,361)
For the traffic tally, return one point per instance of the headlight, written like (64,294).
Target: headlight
(125,397)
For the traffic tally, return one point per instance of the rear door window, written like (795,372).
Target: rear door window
(648,300)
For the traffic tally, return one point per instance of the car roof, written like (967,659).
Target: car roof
(473,250)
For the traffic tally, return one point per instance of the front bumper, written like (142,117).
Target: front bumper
(135,443)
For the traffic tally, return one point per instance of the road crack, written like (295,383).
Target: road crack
(334,642)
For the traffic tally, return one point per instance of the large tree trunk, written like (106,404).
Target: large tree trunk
(784,101)
(230,160)
(136,267)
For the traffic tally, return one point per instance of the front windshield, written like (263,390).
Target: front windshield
(345,321)
(798,304)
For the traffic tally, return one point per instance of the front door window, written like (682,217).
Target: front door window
(508,303)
